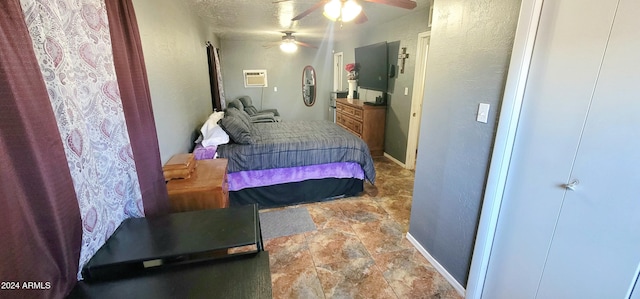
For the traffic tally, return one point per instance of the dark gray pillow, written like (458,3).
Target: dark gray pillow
(240,115)
(237,129)
(236,104)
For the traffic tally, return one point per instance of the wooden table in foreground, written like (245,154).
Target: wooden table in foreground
(140,244)
(243,276)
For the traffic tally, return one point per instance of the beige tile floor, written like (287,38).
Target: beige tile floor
(359,249)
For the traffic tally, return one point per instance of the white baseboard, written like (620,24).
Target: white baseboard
(452,281)
(394,160)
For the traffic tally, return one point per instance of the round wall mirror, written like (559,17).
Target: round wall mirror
(309,86)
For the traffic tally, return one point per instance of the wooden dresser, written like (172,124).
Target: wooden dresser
(206,188)
(365,121)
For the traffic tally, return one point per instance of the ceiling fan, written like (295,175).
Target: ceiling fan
(348,10)
(289,43)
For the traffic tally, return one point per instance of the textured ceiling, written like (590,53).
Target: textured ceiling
(265,20)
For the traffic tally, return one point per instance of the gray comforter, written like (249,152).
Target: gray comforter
(297,143)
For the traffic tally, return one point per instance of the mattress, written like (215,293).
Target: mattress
(295,144)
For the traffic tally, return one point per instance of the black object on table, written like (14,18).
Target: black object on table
(240,276)
(174,238)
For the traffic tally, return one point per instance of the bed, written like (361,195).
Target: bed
(286,163)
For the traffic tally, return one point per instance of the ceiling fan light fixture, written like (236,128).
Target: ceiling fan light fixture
(340,10)
(350,11)
(288,46)
(332,9)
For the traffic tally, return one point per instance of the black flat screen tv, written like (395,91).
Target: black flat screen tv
(372,61)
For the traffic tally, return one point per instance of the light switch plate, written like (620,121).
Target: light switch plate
(483,112)
(406,91)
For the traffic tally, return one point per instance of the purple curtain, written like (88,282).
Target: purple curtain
(40,227)
(213,78)
(136,102)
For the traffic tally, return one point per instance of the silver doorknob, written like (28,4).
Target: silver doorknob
(572,185)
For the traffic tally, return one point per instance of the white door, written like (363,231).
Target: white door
(417,99)
(579,121)
(338,65)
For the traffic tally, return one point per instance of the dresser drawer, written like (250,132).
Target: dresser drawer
(365,121)
(349,124)
(348,110)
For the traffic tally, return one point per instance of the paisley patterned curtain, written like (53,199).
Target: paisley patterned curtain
(73,47)
(78,146)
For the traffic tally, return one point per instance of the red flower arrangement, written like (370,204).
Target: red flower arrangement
(352,68)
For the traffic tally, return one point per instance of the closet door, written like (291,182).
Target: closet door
(568,51)
(635,293)
(596,246)
(580,120)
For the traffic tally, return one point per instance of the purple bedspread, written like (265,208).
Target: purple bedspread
(258,178)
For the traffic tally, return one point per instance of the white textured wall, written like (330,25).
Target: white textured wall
(284,71)
(471,42)
(173,42)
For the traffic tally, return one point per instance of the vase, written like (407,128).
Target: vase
(352,88)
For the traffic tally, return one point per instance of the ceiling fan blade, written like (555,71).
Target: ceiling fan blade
(361,18)
(280,1)
(270,44)
(310,10)
(305,45)
(406,4)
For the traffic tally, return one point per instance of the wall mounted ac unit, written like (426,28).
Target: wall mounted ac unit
(255,78)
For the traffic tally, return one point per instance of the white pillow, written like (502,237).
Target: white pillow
(216,116)
(212,133)
(211,123)
(216,137)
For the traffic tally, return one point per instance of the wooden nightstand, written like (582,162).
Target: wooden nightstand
(207,188)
